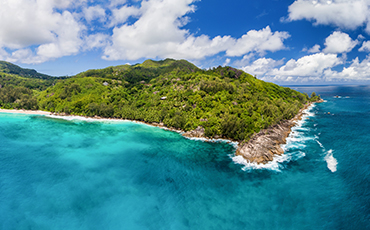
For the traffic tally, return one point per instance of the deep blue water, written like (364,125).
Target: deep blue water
(73,174)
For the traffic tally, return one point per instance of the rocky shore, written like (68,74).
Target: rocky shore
(262,147)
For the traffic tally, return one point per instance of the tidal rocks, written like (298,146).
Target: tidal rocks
(262,147)
(198,132)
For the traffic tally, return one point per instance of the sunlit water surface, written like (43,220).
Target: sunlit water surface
(76,174)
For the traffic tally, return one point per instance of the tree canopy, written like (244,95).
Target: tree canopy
(225,101)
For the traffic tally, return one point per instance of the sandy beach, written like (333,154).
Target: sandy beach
(37,112)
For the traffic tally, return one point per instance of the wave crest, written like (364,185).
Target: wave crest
(331,161)
(295,142)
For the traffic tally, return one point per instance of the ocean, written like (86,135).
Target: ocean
(80,174)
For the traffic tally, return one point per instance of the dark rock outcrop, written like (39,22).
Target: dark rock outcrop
(262,147)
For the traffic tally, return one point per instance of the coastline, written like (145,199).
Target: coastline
(22,111)
(260,149)
(266,144)
(191,135)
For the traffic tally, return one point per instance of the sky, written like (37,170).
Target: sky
(280,41)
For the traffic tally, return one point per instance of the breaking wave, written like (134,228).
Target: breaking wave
(331,161)
(295,142)
(85,119)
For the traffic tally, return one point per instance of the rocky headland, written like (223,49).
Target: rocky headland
(263,145)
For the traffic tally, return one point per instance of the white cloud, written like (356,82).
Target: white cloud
(147,38)
(339,42)
(261,66)
(115,3)
(68,41)
(365,47)
(357,71)
(121,15)
(314,49)
(311,65)
(227,61)
(25,23)
(21,54)
(360,37)
(3,54)
(49,29)
(258,41)
(348,14)
(312,68)
(94,12)
(245,60)
(95,41)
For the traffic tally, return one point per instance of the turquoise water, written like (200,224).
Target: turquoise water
(75,174)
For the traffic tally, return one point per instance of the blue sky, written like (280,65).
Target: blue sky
(281,41)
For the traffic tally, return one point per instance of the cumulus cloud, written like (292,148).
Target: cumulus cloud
(313,49)
(341,13)
(94,12)
(47,29)
(307,66)
(365,47)
(310,68)
(93,41)
(227,61)
(262,66)
(115,3)
(26,23)
(339,42)
(150,39)
(258,41)
(121,15)
(357,71)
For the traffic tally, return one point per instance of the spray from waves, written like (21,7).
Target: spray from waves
(295,142)
(318,142)
(331,161)
(277,164)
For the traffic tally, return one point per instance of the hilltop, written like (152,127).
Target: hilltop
(224,101)
(219,102)
(9,68)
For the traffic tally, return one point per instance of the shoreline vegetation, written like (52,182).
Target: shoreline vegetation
(260,149)
(266,144)
(221,103)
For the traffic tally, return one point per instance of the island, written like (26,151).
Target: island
(216,103)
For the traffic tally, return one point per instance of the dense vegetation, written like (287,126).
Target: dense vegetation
(225,101)
(9,68)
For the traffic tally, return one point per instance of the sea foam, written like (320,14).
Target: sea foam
(331,161)
(296,140)
(80,118)
(277,164)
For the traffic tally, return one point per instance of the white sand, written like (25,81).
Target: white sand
(38,112)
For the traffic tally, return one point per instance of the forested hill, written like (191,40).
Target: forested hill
(9,68)
(224,101)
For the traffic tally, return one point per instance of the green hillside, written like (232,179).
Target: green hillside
(225,101)
(9,68)
(19,87)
